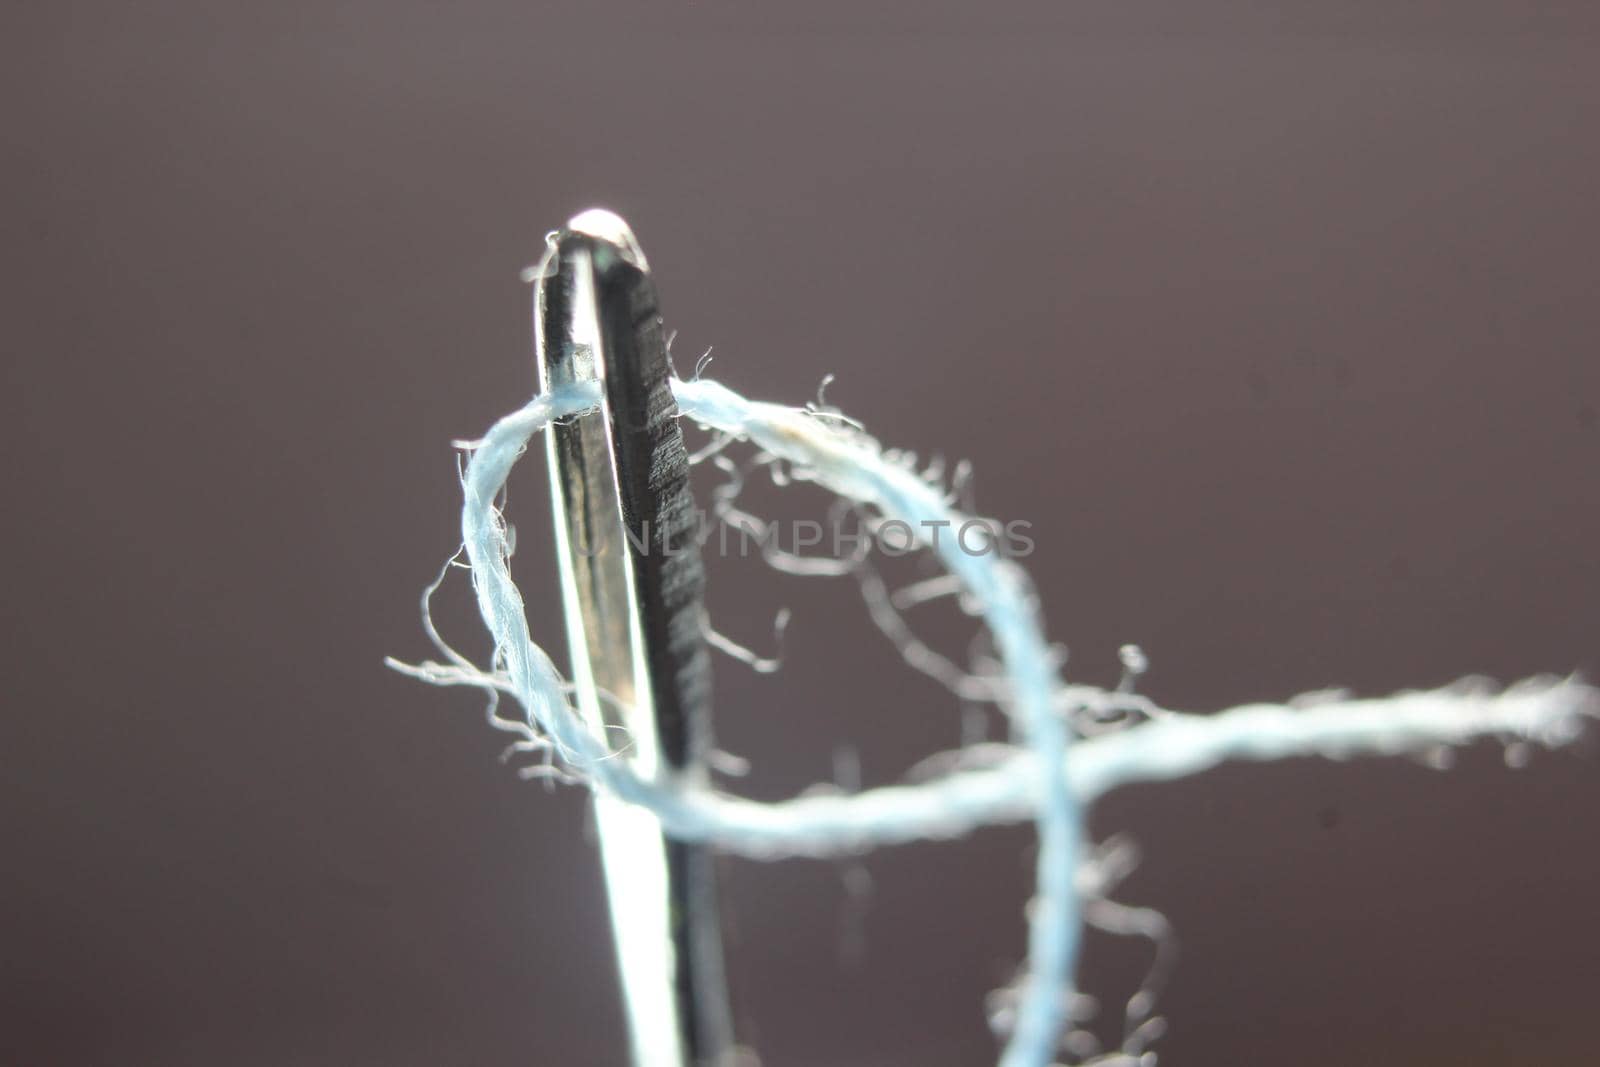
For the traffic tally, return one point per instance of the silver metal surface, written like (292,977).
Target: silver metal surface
(632,584)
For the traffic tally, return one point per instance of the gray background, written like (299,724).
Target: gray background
(1278,321)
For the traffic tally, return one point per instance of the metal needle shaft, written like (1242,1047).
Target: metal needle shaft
(632,584)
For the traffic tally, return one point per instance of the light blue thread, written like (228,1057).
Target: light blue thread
(850,466)
(1043,780)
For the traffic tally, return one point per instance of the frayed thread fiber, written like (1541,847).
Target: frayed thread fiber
(1048,774)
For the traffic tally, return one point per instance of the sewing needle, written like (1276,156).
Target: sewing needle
(632,586)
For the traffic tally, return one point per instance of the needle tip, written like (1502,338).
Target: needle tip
(598,224)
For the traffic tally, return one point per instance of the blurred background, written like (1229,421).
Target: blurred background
(1277,321)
